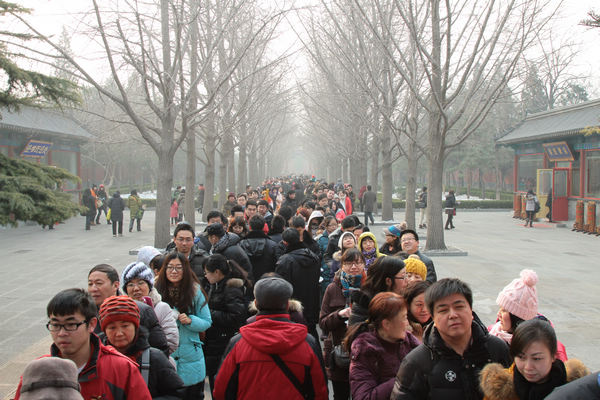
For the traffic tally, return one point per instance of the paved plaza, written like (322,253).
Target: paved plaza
(37,263)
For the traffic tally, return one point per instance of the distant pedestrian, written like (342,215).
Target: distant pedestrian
(422,203)
(369,201)
(450,209)
(201,191)
(135,210)
(88,201)
(181,205)
(174,214)
(101,203)
(116,205)
(531,207)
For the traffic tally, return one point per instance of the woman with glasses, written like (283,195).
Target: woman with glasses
(335,311)
(179,287)
(388,274)
(138,283)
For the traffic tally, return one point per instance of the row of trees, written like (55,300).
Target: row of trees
(435,82)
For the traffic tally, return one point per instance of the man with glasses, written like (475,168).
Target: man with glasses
(409,240)
(104,373)
(183,237)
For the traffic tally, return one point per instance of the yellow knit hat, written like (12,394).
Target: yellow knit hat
(416,266)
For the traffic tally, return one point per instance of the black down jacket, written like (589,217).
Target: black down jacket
(262,251)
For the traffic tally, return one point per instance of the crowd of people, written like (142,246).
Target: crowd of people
(240,304)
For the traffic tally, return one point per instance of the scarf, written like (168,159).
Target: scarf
(496,330)
(534,391)
(370,257)
(350,283)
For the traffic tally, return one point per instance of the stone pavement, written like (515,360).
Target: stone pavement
(38,263)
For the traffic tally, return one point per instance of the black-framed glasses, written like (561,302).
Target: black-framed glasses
(69,326)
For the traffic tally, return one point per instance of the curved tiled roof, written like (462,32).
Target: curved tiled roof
(559,122)
(30,120)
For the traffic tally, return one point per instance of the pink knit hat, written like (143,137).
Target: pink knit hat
(520,296)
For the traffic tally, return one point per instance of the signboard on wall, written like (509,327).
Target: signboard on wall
(36,148)
(558,151)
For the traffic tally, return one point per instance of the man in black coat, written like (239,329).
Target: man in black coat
(262,251)
(409,240)
(227,244)
(454,350)
(302,268)
(291,201)
(183,242)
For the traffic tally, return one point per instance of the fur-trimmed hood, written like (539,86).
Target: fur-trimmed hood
(497,382)
(294,306)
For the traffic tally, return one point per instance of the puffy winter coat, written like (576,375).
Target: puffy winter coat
(249,372)
(189,356)
(499,383)
(107,375)
(162,377)
(374,364)
(431,274)
(587,387)
(134,204)
(333,326)
(228,247)
(434,371)
(116,205)
(228,311)
(302,268)
(166,319)
(262,252)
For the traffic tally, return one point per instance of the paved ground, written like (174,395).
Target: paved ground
(37,264)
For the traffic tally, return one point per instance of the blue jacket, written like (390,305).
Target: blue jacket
(189,355)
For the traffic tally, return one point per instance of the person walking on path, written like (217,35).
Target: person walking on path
(116,204)
(369,200)
(450,209)
(89,201)
(135,206)
(423,208)
(532,205)
(101,203)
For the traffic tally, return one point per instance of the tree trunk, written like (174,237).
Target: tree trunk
(162,234)
(222,175)
(242,173)
(209,174)
(230,162)
(435,216)
(411,185)
(345,169)
(387,212)
(189,211)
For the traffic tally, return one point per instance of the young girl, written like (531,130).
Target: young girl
(120,322)
(536,370)
(179,287)
(174,211)
(378,346)
(367,244)
(347,241)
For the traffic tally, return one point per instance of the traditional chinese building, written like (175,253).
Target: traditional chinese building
(557,152)
(45,135)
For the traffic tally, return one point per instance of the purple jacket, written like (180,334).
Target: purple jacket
(374,364)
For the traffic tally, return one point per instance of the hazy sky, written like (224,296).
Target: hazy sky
(51,15)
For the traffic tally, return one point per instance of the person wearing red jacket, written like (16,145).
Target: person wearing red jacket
(105,373)
(272,357)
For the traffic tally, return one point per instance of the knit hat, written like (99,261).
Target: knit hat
(137,270)
(520,296)
(119,308)
(272,294)
(393,230)
(146,254)
(341,241)
(215,229)
(50,378)
(416,266)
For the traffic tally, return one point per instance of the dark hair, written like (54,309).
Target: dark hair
(310,204)
(444,288)
(385,305)
(352,254)
(157,262)
(277,225)
(239,221)
(187,288)
(257,223)
(215,213)
(348,222)
(514,322)
(244,195)
(262,202)
(298,222)
(236,208)
(327,221)
(411,293)
(533,330)
(251,203)
(404,232)
(369,187)
(286,212)
(70,301)
(183,226)
(382,268)
(109,270)
(133,192)
(291,236)
(229,268)
(322,196)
